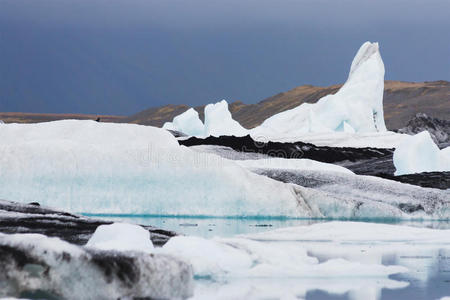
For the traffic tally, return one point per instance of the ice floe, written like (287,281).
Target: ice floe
(419,153)
(121,237)
(188,123)
(34,262)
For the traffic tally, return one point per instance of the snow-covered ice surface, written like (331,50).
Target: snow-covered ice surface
(86,166)
(386,139)
(292,164)
(31,262)
(101,168)
(121,237)
(419,153)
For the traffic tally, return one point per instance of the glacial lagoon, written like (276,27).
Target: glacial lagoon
(428,275)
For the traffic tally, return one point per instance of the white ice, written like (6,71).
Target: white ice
(121,237)
(241,257)
(218,121)
(75,272)
(188,123)
(292,164)
(86,166)
(103,168)
(289,262)
(352,117)
(356,107)
(418,154)
(358,257)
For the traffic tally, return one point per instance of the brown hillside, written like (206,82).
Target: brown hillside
(402,100)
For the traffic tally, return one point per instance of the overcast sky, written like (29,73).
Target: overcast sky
(122,56)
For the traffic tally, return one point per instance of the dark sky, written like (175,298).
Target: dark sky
(122,56)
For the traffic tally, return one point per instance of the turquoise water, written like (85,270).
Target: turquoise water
(428,278)
(225,227)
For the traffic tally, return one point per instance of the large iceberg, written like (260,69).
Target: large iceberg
(356,107)
(419,153)
(103,168)
(91,167)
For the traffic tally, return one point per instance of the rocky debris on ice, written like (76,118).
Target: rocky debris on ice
(354,196)
(292,164)
(56,269)
(362,161)
(438,129)
(291,150)
(437,180)
(33,218)
(418,154)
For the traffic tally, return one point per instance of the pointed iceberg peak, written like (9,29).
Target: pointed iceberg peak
(356,108)
(366,52)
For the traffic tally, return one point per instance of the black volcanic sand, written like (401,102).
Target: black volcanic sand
(32,218)
(362,161)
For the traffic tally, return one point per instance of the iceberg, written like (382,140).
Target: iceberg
(356,107)
(188,123)
(418,154)
(104,168)
(218,121)
(34,262)
(121,237)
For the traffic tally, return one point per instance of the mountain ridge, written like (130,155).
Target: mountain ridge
(402,100)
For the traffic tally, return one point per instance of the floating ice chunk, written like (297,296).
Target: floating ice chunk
(346,232)
(418,154)
(241,257)
(292,164)
(121,237)
(188,123)
(31,262)
(357,106)
(218,121)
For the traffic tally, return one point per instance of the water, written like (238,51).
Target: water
(428,276)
